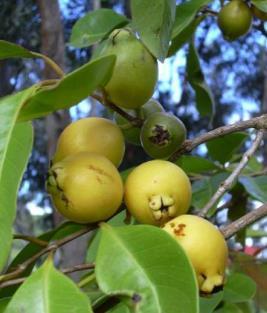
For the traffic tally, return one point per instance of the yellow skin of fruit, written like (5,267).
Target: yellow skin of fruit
(135,72)
(204,245)
(235,19)
(258,13)
(156,191)
(85,187)
(93,134)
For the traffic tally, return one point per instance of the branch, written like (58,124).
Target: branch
(244,221)
(228,183)
(37,241)
(51,247)
(259,122)
(75,268)
(135,121)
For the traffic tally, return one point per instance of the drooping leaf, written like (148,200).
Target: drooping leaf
(94,26)
(31,249)
(185,14)
(260,4)
(146,265)
(11,50)
(239,288)
(185,35)
(204,98)
(255,186)
(49,291)
(209,303)
(154,24)
(15,147)
(195,164)
(229,144)
(68,91)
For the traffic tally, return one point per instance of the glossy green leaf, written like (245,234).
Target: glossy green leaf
(48,291)
(255,186)
(229,144)
(229,308)
(147,265)
(247,307)
(253,233)
(184,36)
(15,147)
(185,14)
(31,249)
(94,26)
(260,4)
(204,98)
(11,50)
(209,303)
(70,90)
(239,288)
(154,24)
(204,189)
(195,164)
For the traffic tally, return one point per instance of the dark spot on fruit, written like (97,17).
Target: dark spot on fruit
(99,179)
(136,298)
(99,171)
(172,225)
(160,136)
(179,230)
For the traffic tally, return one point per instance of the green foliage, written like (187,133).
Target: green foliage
(11,50)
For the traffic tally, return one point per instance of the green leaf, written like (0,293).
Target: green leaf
(15,147)
(229,144)
(70,90)
(49,291)
(255,186)
(239,288)
(209,303)
(185,35)
(204,98)
(203,189)
(11,50)
(145,264)
(229,308)
(260,4)
(185,14)
(31,249)
(253,233)
(195,164)
(154,24)
(3,304)
(120,308)
(94,26)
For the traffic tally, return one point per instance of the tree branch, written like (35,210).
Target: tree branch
(228,183)
(51,247)
(37,241)
(259,122)
(244,221)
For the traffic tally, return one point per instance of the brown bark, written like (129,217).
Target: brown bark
(52,45)
(264,110)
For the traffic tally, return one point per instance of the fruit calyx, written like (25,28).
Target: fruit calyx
(160,135)
(162,207)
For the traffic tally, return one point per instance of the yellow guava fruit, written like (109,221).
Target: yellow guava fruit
(204,245)
(85,187)
(156,191)
(93,134)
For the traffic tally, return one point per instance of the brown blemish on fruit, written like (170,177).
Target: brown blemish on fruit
(160,135)
(179,230)
(172,225)
(99,171)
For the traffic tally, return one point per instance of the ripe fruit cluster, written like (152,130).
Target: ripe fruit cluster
(86,186)
(235,18)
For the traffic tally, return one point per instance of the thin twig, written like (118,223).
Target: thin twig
(208,11)
(35,240)
(228,183)
(259,122)
(244,221)
(51,63)
(135,121)
(76,268)
(51,247)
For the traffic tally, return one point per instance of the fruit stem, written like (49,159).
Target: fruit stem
(51,63)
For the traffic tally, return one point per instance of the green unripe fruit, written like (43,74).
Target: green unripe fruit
(85,187)
(130,132)
(258,13)
(235,19)
(162,134)
(135,72)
